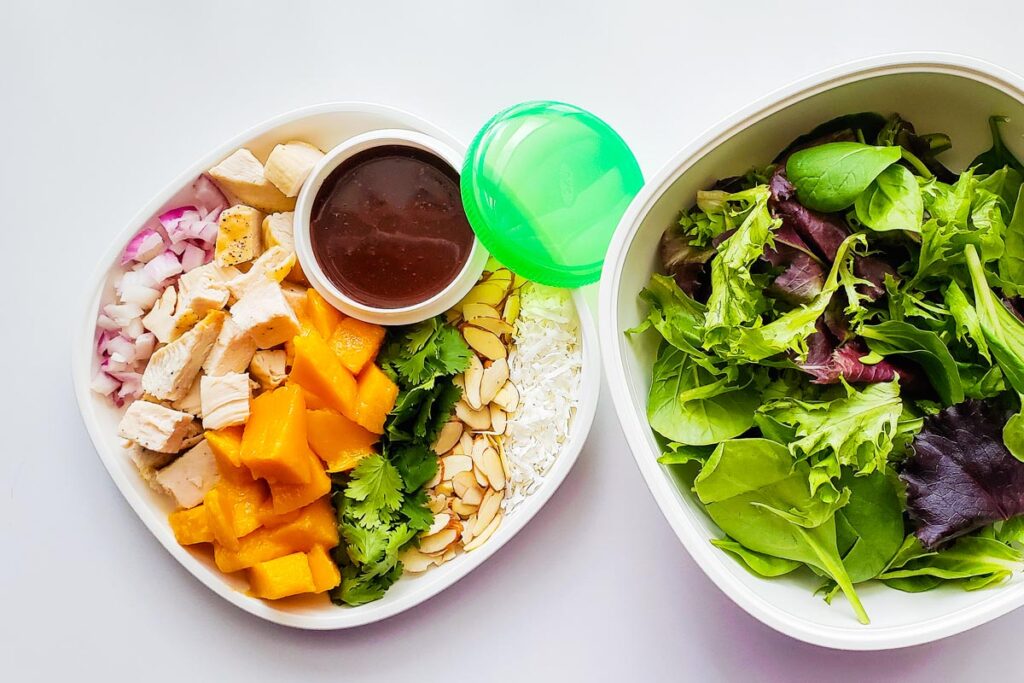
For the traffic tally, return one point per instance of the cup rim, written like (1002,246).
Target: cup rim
(450,295)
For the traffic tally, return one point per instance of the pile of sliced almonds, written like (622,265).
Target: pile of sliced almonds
(467,491)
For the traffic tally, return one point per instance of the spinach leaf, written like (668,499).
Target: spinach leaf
(924,348)
(689,405)
(759,563)
(759,496)
(681,454)
(831,176)
(997,156)
(867,124)
(1011,263)
(973,561)
(1003,331)
(870,527)
(891,202)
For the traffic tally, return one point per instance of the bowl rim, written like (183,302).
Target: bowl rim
(636,430)
(446,297)
(337,618)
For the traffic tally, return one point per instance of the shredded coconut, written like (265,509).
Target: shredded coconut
(544,364)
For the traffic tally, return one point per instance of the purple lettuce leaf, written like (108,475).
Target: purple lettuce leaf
(961,476)
(801,281)
(873,270)
(828,360)
(684,262)
(821,231)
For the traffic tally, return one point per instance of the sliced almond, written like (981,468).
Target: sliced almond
(467,534)
(489,507)
(466,442)
(473,311)
(481,478)
(490,293)
(460,381)
(449,555)
(454,465)
(436,479)
(493,380)
(478,420)
(490,463)
(440,522)
(437,503)
(473,496)
(498,419)
(463,510)
(501,277)
(507,397)
(511,309)
(449,437)
(495,325)
(484,342)
(445,488)
(462,482)
(481,538)
(472,378)
(437,542)
(417,562)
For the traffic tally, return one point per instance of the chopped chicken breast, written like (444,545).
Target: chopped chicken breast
(290,164)
(238,235)
(154,426)
(204,289)
(279,231)
(189,477)
(268,368)
(243,176)
(190,403)
(231,352)
(265,314)
(173,368)
(225,400)
(272,264)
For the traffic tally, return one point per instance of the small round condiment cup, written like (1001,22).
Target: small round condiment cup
(440,302)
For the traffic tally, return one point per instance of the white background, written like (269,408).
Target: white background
(102,104)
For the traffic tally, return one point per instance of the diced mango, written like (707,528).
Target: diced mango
(191,526)
(274,445)
(248,499)
(337,440)
(220,514)
(270,519)
(325,572)
(356,343)
(375,398)
(317,370)
(324,316)
(288,497)
(226,444)
(281,577)
(315,525)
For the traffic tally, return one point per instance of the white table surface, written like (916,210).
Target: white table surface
(102,104)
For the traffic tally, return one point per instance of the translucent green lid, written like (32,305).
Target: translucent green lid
(544,186)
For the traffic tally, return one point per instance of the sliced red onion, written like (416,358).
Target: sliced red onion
(208,235)
(169,219)
(178,248)
(122,314)
(131,389)
(134,328)
(105,322)
(121,349)
(101,340)
(137,294)
(104,384)
(136,278)
(145,344)
(144,246)
(113,367)
(208,195)
(193,257)
(163,267)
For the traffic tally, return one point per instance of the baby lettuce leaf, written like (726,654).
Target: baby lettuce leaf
(676,316)
(961,476)
(735,297)
(684,261)
(1003,331)
(856,431)
(998,155)
(966,324)
(759,496)
(759,563)
(831,176)
(891,202)
(1013,435)
(689,405)
(925,348)
(869,528)
(1011,263)
(865,124)
(973,561)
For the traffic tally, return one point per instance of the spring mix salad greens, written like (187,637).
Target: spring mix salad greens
(842,359)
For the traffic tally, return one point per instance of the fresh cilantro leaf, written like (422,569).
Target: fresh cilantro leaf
(417,465)
(453,352)
(376,489)
(447,396)
(364,545)
(397,539)
(415,509)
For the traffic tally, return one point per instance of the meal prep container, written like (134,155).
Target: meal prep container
(938,92)
(325,126)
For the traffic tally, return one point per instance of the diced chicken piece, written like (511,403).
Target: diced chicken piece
(238,235)
(243,176)
(295,295)
(154,426)
(290,164)
(189,477)
(204,289)
(225,400)
(173,368)
(190,403)
(231,352)
(279,231)
(149,462)
(160,320)
(274,264)
(268,368)
(265,314)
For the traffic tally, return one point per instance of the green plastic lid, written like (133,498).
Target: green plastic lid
(544,186)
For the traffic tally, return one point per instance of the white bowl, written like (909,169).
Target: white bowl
(453,155)
(938,93)
(326,126)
